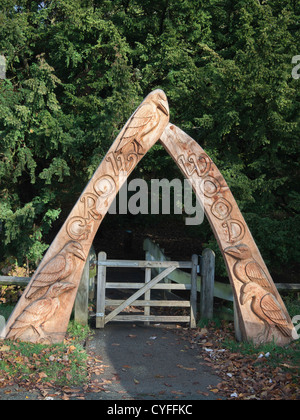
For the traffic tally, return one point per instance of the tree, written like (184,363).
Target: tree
(77,69)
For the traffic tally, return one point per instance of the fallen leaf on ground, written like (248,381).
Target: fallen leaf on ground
(177,392)
(206,394)
(186,368)
(71,349)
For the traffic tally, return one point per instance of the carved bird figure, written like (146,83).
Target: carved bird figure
(267,308)
(246,269)
(144,120)
(57,269)
(39,312)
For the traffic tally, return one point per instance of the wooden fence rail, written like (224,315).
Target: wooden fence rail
(154,252)
(205,283)
(14,281)
(23,281)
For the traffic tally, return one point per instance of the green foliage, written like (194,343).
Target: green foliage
(77,69)
(61,364)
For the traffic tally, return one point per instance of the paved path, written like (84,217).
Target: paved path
(149,363)
(141,363)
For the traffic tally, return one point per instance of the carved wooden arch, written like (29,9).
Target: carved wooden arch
(44,310)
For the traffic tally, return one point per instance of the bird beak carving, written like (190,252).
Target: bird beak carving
(65,287)
(247,293)
(164,107)
(78,251)
(243,298)
(233,251)
(80,254)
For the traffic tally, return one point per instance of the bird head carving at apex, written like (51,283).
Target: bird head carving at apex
(161,101)
(59,268)
(246,268)
(146,119)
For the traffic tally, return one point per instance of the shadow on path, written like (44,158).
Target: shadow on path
(147,363)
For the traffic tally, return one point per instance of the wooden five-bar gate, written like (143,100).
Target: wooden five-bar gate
(142,297)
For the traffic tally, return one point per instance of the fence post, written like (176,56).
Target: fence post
(93,273)
(2,327)
(193,322)
(147,295)
(238,332)
(101,286)
(81,315)
(207,284)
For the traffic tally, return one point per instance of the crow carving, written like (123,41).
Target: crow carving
(144,120)
(39,312)
(246,269)
(266,307)
(57,269)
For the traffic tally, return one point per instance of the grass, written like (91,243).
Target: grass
(288,356)
(60,364)
(278,354)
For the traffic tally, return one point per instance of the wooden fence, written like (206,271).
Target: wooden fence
(204,282)
(144,289)
(220,290)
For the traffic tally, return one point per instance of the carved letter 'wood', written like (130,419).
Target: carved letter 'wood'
(261,311)
(44,310)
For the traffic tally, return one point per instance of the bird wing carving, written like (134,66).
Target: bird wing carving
(272,310)
(48,275)
(257,275)
(34,314)
(140,119)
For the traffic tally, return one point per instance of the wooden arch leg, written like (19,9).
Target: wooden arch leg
(45,307)
(261,311)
